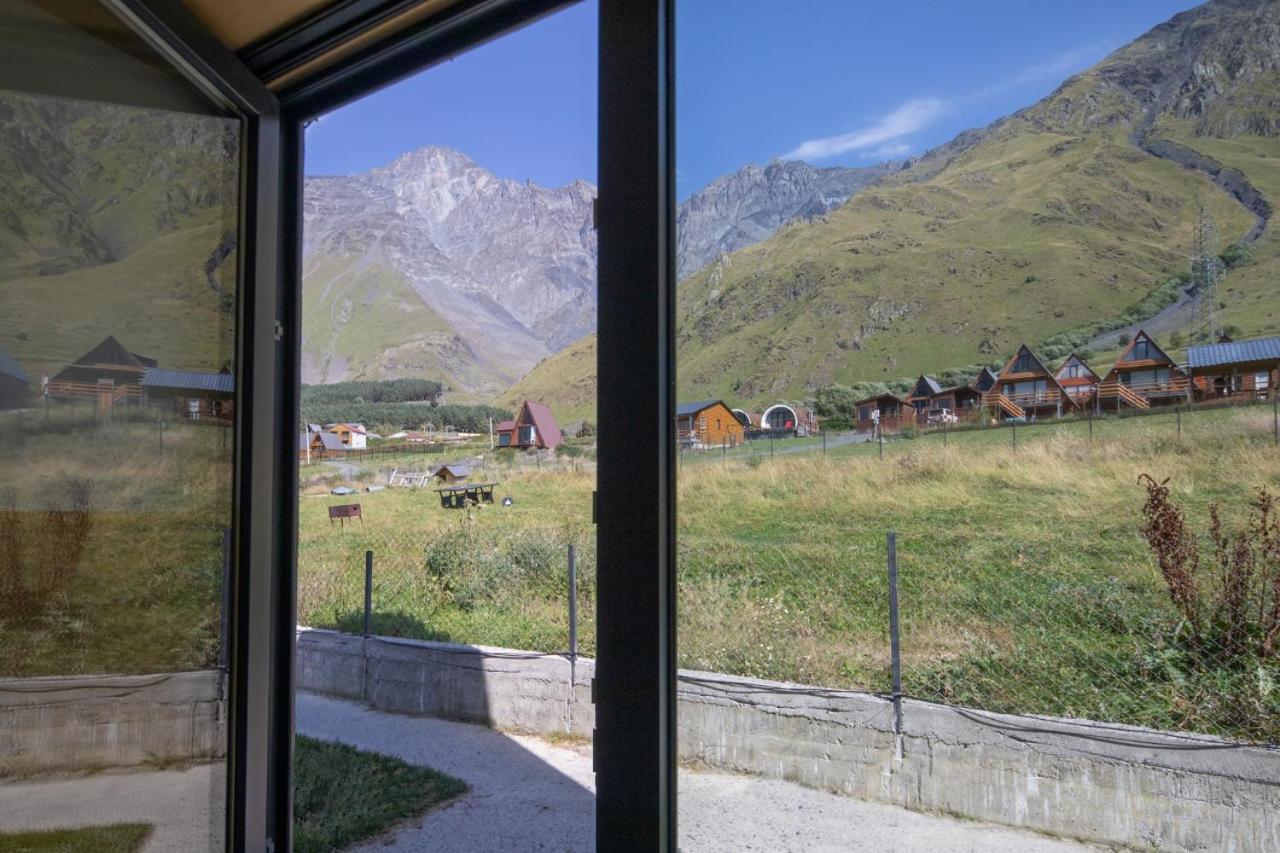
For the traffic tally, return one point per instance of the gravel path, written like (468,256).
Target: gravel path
(528,794)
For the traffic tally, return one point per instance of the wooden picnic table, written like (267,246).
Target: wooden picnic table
(460,495)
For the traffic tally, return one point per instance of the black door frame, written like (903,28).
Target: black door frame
(635,688)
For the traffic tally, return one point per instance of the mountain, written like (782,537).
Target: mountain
(432,266)
(104,208)
(1059,216)
(749,205)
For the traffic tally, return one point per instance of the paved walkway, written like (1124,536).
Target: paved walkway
(529,795)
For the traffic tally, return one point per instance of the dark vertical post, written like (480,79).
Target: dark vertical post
(895,658)
(1013,427)
(573,603)
(1178,413)
(824,444)
(770,442)
(946,429)
(880,433)
(368,592)
(224,616)
(635,750)
(1091,427)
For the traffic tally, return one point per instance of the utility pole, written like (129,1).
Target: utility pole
(1206,271)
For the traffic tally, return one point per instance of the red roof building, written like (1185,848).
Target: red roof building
(534,426)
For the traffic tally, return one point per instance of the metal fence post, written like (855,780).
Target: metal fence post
(894,645)
(368,592)
(946,429)
(880,430)
(1013,427)
(824,444)
(1091,427)
(1178,413)
(573,603)
(770,442)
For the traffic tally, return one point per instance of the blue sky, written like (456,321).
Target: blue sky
(834,82)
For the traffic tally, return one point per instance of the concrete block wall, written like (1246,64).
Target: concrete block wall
(78,722)
(1103,783)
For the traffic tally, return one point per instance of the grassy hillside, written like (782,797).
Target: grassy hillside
(565,381)
(1030,233)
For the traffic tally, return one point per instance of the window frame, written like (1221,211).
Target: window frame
(635,689)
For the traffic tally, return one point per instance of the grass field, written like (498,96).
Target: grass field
(343,795)
(1025,582)
(120,838)
(141,591)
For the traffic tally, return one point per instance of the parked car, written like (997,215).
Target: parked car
(943,416)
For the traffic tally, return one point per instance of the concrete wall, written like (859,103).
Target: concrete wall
(1112,784)
(78,722)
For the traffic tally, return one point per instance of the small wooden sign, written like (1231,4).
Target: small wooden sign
(342,512)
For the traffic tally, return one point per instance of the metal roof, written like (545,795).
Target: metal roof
(929,383)
(189,380)
(1236,352)
(685,409)
(331,441)
(9,367)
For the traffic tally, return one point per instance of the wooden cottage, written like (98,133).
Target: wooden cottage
(1242,370)
(108,372)
(921,396)
(962,401)
(708,423)
(14,384)
(189,394)
(1078,380)
(1026,388)
(353,436)
(534,427)
(888,411)
(985,381)
(1143,376)
(325,444)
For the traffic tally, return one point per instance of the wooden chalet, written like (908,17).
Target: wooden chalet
(1025,388)
(1078,379)
(985,381)
(14,384)
(888,411)
(1240,370)
(325,444)
(534,427)
(708,423)
(352,436)
(963,401)
(1143,376)
(108,372)
(189,394)
(921,396)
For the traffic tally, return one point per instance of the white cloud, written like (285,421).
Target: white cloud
(889,152)
(1054,68)
(906,119)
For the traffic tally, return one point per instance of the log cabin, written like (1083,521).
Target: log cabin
(353,436)
(1239,370)
(708,423)
(962,401)
(192,395)
(1143,376)
(108,372)
(1026,388)
(921,396)
(1078,379)
(889,411)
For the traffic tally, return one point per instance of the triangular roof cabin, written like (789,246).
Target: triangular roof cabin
(1143,353)
(1074,371)
(108,360)
(545,433)
(1144,374)
(985,380)
(924,389)
(1031,386)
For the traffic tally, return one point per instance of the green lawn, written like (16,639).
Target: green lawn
(343,795)
(120,838)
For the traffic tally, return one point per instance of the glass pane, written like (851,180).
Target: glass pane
(948,564)
(118,283)
(446,556)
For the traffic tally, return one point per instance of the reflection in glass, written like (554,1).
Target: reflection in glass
(118,214)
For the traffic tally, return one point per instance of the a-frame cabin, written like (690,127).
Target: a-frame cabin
(108,371)
(1143,376)
(922,394)
(1026,388)
(1078,379)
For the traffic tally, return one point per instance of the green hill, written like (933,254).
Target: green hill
(1046,221)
